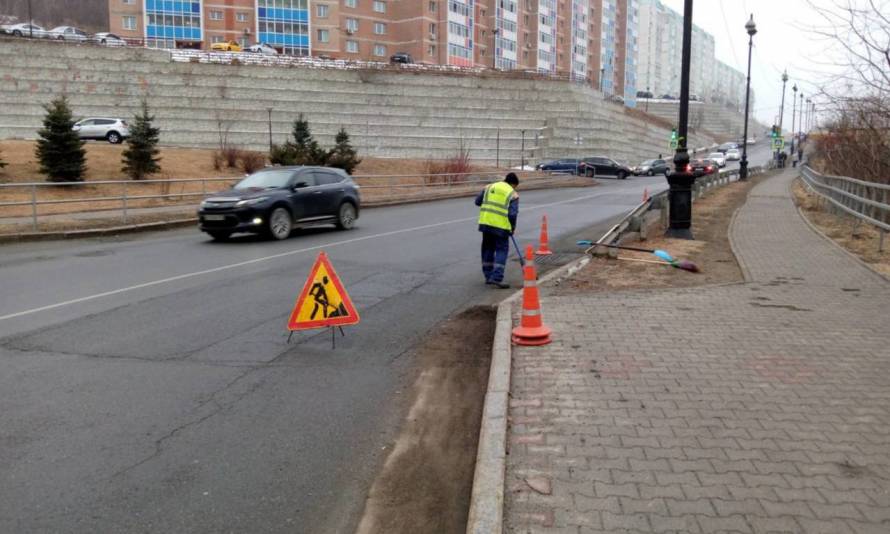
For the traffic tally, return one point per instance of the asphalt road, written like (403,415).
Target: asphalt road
(146,384)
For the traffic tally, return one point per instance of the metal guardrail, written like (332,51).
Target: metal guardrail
(866,201)
(702,185)
(388,187)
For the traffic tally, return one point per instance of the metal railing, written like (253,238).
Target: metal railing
(866,201)
(128,195)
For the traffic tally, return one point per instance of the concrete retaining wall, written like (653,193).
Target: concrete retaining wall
(387,114)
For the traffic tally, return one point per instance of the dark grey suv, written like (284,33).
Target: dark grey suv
(276,200)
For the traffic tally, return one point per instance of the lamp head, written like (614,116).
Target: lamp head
(750,26)
(785,76)
(794,88)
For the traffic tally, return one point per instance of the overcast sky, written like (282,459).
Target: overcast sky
(781,43)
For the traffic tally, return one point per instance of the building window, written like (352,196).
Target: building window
(128,2)
(217,39)
(379,28)
(241,17)
(432,5)
(352,4)
(379,7)
(129,22)
(433,30)
(321,11)
(216,15)
(352,25)
(323,36)
(431,50)
(379,50)
(352,47)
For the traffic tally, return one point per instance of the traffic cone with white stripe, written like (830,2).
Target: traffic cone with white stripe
(544,247)
(531,330)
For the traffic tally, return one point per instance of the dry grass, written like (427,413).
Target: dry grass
(861,239)
(710,251)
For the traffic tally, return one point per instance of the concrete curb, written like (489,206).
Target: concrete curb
(881,276)
(487,500)
(746,273)
(96,232)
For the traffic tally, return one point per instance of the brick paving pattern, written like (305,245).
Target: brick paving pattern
(754,407)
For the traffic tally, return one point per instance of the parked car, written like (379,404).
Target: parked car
(24,29)
(700,167)
(108,39)
(559,165)
(733,154)
(718,158)
(228,46)
(401,57)
(726,146)
(601,166)
(112,130)
(68,33)
(276,200)
(262,48)
(652,167)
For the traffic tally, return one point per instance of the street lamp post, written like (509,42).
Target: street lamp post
(269,110)
(793,117)
(30,21)
(681,180)
(648,96)
(494,48)
(800,131)
(602,75)
(751,28)
(782,109)
(809,105)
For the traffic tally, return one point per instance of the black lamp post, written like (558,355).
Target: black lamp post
(743,165)
(681,180)
(602,75)
(800,130)
(30,21)
(782,109)
(793,117)
(269,110)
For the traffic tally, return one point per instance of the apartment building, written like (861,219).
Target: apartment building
(593,40)
(660,57)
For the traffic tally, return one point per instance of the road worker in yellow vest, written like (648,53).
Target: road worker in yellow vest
(499,208)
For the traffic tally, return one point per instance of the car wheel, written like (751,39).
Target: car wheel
(220,235)
(17,33)
(622,175)
(280,224)
(650,173)
(590,173)
(114,138)
(346,216)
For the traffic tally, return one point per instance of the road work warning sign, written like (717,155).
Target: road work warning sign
(323,301)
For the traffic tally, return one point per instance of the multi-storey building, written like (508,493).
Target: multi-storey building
(661,49)
(593,40)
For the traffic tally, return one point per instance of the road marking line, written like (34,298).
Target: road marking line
(273,257)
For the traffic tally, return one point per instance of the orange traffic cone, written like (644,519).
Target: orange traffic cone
(544,247)
(645,194)
(531,330)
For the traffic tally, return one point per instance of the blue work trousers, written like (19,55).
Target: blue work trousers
(495,250)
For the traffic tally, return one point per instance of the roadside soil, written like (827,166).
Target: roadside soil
(710,251)
(426,481)
(861,239)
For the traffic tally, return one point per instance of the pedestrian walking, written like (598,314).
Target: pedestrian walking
(499,208)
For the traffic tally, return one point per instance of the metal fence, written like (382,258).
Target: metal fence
(866,201)
(125,196)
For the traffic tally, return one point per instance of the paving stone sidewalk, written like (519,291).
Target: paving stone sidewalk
(754,407)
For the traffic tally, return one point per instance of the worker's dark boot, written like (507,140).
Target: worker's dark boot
(499,285)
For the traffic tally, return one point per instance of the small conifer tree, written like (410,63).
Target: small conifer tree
(59,149)
(343,156)
(140,158)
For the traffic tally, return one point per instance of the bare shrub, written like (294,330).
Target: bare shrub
(231,155)
(453,169)
(217,160)
(252,161)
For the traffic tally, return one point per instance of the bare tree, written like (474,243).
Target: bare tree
(855,94)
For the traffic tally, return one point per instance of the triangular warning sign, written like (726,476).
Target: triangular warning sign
(323,301)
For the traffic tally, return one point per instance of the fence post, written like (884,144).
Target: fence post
(125,202)
(881,239)
(34,207)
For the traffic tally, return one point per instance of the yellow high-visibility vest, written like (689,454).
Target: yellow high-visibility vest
(496,206)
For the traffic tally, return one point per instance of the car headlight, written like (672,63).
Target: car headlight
(250,202)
